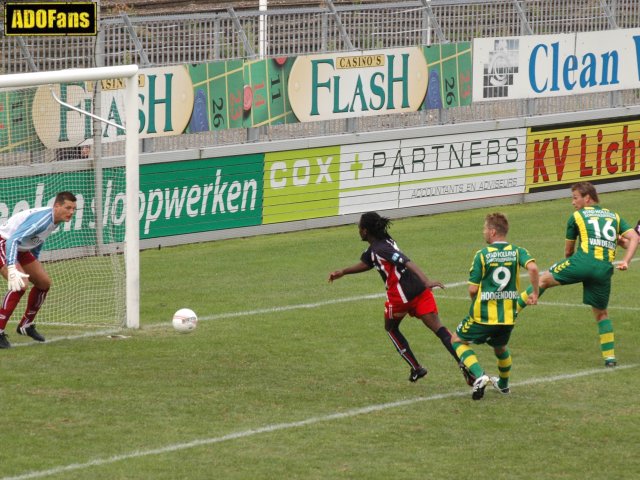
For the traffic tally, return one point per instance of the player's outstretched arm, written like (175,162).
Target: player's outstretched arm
(631,240)
(357,268)
(623,242)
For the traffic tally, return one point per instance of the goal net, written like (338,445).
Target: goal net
(77,130)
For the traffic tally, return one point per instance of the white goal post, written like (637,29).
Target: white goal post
(48,166)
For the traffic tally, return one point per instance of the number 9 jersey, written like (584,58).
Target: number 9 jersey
(496,272)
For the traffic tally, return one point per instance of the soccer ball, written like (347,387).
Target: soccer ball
(185,320)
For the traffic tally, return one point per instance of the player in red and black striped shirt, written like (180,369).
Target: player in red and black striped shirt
(408,289)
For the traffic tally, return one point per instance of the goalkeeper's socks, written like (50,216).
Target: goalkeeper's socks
(35,301)
(605,330)
(522,299)
(9,304)
(504,368)
(468,358)
(445,337)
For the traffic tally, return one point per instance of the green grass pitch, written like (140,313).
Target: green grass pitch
(289,377)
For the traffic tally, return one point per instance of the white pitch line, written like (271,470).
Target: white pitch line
(335,301)
(285,308)
(552,304)
(80,336)
(301,306)
(290,425)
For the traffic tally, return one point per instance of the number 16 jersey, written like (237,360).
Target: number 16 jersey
(597,230)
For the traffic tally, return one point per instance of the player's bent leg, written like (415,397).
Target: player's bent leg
(41,284)
(468,360)
(38,276)
(524,296)
(27,325)
(9,304)
(546,281)
(432,321)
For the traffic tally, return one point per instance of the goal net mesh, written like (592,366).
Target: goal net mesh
(47,147)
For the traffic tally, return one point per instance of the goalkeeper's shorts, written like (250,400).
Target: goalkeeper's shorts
(24,258)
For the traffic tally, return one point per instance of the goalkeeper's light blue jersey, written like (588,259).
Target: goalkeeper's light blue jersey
(27,231)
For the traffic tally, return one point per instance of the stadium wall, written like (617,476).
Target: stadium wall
(209,194)
(326,181)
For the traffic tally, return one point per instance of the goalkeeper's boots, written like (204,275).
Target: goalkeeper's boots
(495,381)
(31,332)
(469,377)
(4,341)
(610,362)
(417,374)
(478,387)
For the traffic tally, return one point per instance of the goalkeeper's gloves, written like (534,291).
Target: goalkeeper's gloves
(15,278)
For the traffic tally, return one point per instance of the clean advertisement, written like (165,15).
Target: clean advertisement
(551,65)
(594,153)
(426,171)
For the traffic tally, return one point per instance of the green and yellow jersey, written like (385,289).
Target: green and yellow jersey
(596,231)
(496,271)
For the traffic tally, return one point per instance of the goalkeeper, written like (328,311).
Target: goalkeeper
(21,239)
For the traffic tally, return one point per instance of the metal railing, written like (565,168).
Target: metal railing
(163,40)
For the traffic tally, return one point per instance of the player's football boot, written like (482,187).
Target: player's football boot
(417,374)
(495,382)
(478,387)
(469,377)
(31,332)
(610,362)
(4,341)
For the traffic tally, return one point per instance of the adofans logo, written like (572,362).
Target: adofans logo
(50,18)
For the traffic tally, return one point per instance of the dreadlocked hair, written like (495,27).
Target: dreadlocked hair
(375,225)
